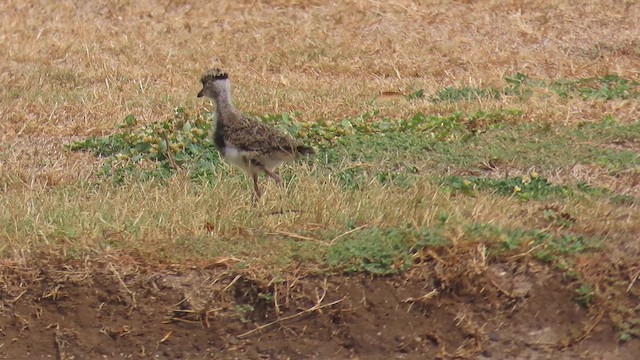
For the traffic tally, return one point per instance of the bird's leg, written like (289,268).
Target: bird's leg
(274,176)
(256,188)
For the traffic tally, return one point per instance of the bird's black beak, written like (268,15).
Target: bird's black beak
(200,94)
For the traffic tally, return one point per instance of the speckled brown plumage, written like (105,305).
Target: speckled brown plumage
(251,134)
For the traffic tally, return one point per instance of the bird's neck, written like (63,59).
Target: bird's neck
(224,107)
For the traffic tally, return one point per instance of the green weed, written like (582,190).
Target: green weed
(155,150)
(418,94)
(585,295)
(244,312)
(629,328)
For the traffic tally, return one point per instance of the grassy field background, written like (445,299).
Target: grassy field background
(511,127)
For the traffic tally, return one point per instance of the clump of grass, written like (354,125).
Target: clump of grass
(610,146)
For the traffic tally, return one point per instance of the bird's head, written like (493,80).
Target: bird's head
(214,83)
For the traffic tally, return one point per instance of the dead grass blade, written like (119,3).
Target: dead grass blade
(347,233)
(296,236)
(124,286)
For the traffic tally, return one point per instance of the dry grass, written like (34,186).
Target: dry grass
(70,71)
(76,70)
(181,220)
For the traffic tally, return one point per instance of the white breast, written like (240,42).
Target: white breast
(234,156)
(242,159)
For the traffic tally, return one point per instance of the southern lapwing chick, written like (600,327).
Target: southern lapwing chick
(243,141)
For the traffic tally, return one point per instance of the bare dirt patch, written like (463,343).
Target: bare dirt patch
(121,308)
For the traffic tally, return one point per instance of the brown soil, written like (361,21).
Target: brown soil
(117,307)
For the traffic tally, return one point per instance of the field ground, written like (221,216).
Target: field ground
(72,309)
(474,194)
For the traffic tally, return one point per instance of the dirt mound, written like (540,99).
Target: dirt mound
(120,308)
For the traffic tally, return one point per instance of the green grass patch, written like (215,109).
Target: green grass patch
(525,187)
(384,251)
(467,93)
(546,246)
(381,251)
(608,87)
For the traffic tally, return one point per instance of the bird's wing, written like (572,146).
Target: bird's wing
(250,134)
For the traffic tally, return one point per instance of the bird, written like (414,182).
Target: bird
(244,141)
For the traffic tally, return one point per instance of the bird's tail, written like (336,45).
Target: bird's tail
(305,150)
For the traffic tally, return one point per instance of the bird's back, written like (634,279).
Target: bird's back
(251,135)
